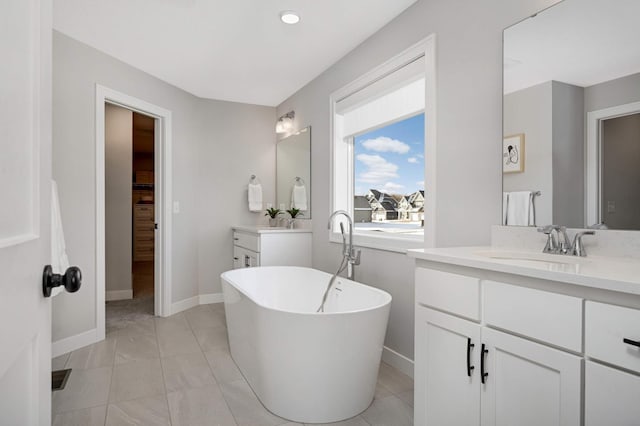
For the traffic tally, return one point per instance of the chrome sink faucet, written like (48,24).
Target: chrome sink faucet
(558,243)
(351,255)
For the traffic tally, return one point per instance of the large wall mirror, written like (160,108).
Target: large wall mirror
(293,172)
(571,147)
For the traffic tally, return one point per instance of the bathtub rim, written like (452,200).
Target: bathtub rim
(388,297)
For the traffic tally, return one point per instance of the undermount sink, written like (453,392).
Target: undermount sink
(531,256)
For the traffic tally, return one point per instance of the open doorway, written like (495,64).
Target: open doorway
(129,216)
(160,216)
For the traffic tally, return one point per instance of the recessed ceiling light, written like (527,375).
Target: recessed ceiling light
(289,17)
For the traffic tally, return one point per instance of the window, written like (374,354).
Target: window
(378,161)
(389,178)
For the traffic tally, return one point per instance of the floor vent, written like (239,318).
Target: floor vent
(59,379)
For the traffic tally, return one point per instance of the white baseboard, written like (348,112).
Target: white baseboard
(118,295)
(203,299)
(185,304)
(398,361)
(206,299)
(72,343)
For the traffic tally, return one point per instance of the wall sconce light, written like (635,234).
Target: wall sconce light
(285,123)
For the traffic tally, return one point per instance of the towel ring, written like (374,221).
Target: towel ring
(300,180)
(254,180)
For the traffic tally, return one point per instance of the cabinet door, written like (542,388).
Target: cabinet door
(611,396)
(447,392)
(528,384)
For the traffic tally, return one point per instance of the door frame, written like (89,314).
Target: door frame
(162,199)
(593,184)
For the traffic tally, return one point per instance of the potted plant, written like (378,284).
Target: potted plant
(273,213)
(293,212)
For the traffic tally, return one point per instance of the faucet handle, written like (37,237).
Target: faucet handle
(552,245)
(356,259)
(578,247)
(548,229)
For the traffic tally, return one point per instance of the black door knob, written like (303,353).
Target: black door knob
(71,280)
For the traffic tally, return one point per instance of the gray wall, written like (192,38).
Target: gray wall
(469,126)
(529,111)
(568,155)
(620,91)
(216,147)
(551,115)
(118,159)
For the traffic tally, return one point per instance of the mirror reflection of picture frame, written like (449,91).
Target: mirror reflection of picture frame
(513,153)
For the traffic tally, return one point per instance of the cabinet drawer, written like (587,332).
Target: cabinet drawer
(605,328)
(458,294)
(548,317)
(144,211)
(611,396)
(243,258)
(144,236)
(248,241)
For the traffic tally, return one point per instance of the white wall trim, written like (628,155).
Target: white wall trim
(398,361)
(119,295)
(593,183)
(72,343)
(163,212)
(206,299)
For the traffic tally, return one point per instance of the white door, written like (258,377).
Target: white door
(447,372)
(25,174)
(528,384)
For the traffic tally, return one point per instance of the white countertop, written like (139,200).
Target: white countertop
(607,273)
(268,229)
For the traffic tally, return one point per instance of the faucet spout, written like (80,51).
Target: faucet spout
(353,257)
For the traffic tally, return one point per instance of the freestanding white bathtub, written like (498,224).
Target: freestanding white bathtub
(305,366)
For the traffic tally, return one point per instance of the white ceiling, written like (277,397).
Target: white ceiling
(580,42)
(235,50)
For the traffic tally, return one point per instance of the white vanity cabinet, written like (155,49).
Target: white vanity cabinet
(262,246)
(467,372)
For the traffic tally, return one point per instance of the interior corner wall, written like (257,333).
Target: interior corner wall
(469,136)
(568,155)
(118,160)
(216,147)
(529,111)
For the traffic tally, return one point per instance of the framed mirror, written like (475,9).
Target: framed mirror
(293,172)
(571,116)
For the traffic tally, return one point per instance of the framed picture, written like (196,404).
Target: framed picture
(513,154)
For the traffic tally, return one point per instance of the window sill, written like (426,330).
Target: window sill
(377,241)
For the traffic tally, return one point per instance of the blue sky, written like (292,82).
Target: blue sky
(391,159)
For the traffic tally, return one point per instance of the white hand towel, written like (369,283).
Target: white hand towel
(299,197)
(255,197)
(505,203)
(59,259)
(520,209)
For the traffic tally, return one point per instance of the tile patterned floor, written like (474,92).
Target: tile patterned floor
(178,371)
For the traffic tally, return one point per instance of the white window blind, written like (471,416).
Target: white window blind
(397,95)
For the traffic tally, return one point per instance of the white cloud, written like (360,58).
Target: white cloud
(420,184)
(385,144)
(378,169)
(412,160)
(391,187)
